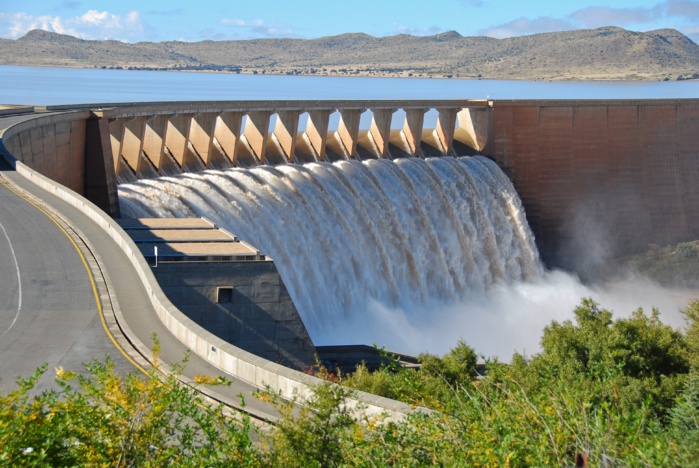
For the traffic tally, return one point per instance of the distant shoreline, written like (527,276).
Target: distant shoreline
(337,75)
(602,54)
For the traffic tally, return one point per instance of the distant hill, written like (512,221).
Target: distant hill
(607,53)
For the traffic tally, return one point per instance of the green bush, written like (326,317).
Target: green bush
(103,419)
(314,435)
(641,359)
(624,392)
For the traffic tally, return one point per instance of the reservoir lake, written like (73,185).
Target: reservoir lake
(52,86)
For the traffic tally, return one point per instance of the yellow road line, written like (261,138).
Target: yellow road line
(89,274)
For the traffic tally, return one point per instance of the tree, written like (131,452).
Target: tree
(691,313)
(314,436)
(456,367)
(640,358)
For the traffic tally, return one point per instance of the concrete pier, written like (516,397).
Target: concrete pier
(256,133)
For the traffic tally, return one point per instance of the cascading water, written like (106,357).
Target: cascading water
(354,239)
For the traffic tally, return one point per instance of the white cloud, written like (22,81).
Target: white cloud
(92,24)
(679,14)
(14,25)
(95,17)
(417,31)
(274,31)
(526,26)
(242,23)
(240,28)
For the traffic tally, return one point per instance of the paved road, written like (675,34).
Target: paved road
(58,320)
(48,310)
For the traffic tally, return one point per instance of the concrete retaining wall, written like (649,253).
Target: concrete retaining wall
(601,179)
(53,145)
(260,317)
(15,109)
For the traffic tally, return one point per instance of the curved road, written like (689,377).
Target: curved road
(49,311)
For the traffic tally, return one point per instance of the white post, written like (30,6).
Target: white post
(155,251)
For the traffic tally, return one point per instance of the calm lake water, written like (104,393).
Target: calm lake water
(49,86)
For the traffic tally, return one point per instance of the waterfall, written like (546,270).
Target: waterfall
(345,236)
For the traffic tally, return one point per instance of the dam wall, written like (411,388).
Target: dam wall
(599,179)
(72,149)
(53,146)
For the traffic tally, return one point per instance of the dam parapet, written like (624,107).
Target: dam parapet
(148,141)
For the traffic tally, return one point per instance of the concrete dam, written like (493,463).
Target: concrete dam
(597,179)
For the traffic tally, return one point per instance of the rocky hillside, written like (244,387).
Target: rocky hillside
(608,53)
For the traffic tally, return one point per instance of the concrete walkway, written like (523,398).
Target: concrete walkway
(119,284)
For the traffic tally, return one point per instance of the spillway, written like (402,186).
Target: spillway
(345,236)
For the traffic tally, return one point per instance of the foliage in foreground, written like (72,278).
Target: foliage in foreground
(102,419)
(625,392)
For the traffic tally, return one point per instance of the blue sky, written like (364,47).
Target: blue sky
(161,20)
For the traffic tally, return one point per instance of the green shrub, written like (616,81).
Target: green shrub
(624,392)
(103,419)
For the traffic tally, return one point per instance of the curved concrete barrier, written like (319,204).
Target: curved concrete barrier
(232,360)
